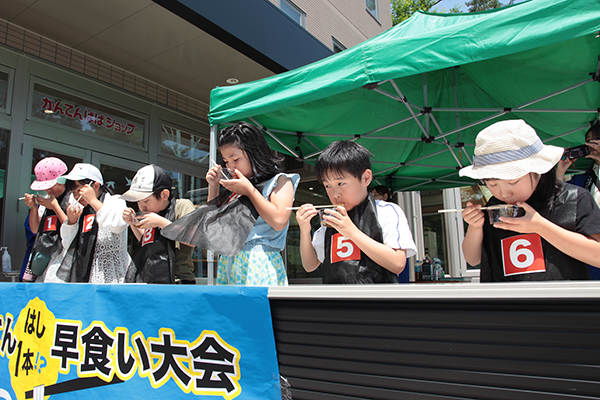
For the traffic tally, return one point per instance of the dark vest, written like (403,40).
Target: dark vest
(48,241)
(77,264)
(347,264)
(154,257)
(559,266)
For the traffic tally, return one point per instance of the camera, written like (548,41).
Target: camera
(576,152)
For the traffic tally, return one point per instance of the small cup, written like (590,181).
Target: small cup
(322,213)
(77,206)
(504,210)
(138,218)
(226,174)
(42,194)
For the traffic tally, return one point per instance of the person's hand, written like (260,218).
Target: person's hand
(339,220)
(595,145)
(238,184)
(526,224)
(129,216)
(50,202)
(73,213)
(30,200)
(562,167)
(87,193)
(304,214)
(214,175)
(473,215)
(151,220)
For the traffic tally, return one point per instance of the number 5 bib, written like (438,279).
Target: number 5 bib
(343,249)
(523,254)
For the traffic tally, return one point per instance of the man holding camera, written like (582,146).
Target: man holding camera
(589,179)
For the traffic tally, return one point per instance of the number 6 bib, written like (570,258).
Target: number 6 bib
(522,254)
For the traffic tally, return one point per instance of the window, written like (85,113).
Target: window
(3,90)
(184,145)
(293,12)
(337,46)
(372,8)
(75,112)
(4,143)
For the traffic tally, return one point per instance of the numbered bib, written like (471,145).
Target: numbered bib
(343,249)
(148,236)
(523,254)
(51,223)
(88,222)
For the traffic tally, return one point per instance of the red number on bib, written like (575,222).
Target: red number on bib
(523,254)
(51,223)
(88,221)
(343,249)
(148,236)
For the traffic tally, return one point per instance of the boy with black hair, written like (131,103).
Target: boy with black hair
(157,259)
(365,242)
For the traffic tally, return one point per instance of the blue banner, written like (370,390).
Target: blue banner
(69,341)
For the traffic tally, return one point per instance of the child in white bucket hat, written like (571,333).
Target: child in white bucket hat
(559,233)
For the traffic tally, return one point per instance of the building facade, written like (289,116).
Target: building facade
(125,84)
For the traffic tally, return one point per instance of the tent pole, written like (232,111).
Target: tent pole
(567,133)
(386,126)
(426,104)
(446,141)
(455,99)
(481,121)
(410,110)
(530,110)
(555,93)
(210,255)
(275,138)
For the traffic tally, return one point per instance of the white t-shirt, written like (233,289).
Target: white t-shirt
(111,258)
(396,233)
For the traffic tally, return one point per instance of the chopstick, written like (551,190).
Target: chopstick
(462,209)
(296,208)
(222,173)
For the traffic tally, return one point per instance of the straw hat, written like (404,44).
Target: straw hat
(509,150)
(46,172)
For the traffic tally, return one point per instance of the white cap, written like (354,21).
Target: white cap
(82,171)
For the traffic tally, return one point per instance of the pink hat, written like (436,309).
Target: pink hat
(46,172)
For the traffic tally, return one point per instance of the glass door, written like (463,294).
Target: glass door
(34,150)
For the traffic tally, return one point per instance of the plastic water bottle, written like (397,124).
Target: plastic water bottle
(6,262)
(439,271)
(418,271)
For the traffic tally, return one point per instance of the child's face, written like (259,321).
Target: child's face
(589,136)
(77,188)
(153,205)
(57,189)
(512,191)
(347,189)
(236,158)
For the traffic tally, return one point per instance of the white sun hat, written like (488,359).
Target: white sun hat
(509,150)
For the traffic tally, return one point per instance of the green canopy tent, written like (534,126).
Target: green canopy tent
(417,95)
